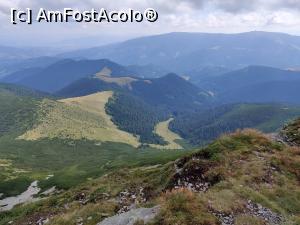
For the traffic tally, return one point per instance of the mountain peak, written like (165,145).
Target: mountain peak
(171,76)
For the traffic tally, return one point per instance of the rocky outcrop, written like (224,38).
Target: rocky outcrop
(132,216)
(192,174)
(252,209)
(264,213)
(290,134)
(128,199)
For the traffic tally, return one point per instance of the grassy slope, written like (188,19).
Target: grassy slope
(72,161)
(17,112)
(162,129)
(78,118)
(247,164)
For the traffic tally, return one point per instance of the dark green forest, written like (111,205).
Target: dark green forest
(202,127)
(135,116)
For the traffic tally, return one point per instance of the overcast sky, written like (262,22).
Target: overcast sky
(224,16)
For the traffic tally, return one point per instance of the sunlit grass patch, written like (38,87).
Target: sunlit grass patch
(78,118)
(162,129)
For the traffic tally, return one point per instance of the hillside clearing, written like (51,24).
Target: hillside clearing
(78,118)
(105,75)
(162,129)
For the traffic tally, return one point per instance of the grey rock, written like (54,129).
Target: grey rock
(130,217)
(264,213)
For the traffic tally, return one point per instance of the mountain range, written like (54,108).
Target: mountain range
(183,52)
(62,73)
(255,84)
(71,78)
(157,130)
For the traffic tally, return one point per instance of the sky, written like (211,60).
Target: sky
(212,16)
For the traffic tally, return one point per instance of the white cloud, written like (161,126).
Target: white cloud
(174,15)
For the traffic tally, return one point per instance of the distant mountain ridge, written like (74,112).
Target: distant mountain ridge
(71,78)
(181,52)
(255,84)
(12,66)
(62,73)
(170,91)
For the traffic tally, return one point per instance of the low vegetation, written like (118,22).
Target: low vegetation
(182,206)
(245,169)
(241,178)
(17,112)
(77,162)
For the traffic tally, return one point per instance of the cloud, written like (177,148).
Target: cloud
(171,6)
(174,15)
(240,6)
(235,6)
(5,6)
(287,4)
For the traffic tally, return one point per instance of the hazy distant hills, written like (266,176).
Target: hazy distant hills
(213,68)
(171,91)
(274,91)
(11,53)
(255,84)
(252,84)
(182,52)
(18,65)
(249,76)
(13,59)
(72,78)
(62,73)
(24,57)
(202,127)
